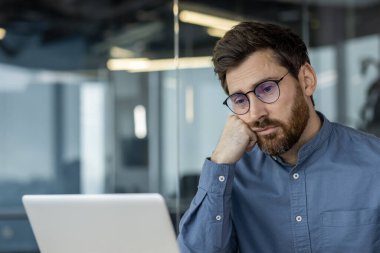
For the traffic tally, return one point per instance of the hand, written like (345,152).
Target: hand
(236,139)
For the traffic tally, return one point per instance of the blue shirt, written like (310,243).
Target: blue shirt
(329,202)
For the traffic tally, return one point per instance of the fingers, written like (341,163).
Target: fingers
(236,139)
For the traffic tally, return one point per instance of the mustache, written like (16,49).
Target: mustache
(266,122)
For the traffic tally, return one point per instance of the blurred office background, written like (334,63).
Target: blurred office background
(119,96)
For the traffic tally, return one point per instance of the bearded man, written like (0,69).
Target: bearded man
(282,178)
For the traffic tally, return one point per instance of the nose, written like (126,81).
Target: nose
(257,109)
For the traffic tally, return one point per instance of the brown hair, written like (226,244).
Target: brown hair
(249,37)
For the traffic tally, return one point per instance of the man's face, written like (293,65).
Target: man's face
(279,125)
(290,131)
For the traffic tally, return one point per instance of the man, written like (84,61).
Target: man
(282,178)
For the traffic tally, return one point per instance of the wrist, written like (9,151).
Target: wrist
(221,159)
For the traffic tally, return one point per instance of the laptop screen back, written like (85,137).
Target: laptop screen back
(106,223)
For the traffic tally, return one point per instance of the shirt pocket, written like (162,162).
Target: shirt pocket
(351,231)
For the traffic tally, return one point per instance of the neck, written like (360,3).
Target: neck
(312,128)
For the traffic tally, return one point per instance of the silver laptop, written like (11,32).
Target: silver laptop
(105,223)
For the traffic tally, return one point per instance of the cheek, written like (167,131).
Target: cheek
(282,111)
(287,100)
(282,115)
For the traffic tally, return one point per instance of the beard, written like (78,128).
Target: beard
(280,142)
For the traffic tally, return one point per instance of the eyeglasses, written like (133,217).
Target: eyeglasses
(268,92)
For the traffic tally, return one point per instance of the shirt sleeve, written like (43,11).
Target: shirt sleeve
(207,225)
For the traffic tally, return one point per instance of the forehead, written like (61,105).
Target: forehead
(258,67)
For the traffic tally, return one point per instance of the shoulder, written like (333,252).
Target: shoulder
(350,134)
(355,141)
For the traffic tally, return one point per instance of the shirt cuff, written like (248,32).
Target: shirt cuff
(217,178)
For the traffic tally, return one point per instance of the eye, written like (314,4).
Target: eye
(266,88)
(238,99)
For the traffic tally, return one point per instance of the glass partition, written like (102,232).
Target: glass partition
(75,118)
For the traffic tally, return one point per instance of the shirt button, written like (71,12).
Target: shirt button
(296,176)
(221,178)
(218,217)
(298,218)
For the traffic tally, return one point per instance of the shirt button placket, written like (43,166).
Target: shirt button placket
(299,211)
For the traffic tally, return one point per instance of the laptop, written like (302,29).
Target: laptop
(103,223)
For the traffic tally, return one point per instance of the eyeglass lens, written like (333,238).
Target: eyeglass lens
(267,92)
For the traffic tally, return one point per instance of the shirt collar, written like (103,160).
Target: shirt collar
(314,143)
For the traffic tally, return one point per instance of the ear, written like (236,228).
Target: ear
(308,79)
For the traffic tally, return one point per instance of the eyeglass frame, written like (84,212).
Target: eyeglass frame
(277,82)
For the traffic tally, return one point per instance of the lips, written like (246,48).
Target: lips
(264,130)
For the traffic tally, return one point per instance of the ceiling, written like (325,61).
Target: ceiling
(71,34)
(78,34)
